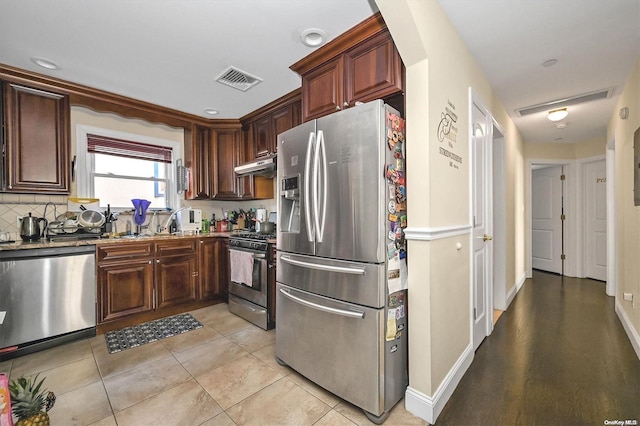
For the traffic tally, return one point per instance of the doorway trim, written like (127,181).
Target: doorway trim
(499,294)
(570,230)
(612,265)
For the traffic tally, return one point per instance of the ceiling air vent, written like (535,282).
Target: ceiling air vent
(561,103)
(238,79)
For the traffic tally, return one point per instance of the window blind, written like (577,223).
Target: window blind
(122,148)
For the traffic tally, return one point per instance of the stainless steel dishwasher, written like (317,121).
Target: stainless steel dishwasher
(47,297)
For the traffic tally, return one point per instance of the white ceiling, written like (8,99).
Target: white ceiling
(168,52)
(596,44)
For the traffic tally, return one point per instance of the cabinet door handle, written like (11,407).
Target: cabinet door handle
(157,260)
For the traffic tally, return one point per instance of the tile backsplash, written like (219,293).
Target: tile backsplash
(14,205)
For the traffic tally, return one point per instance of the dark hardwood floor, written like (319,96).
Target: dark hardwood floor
(558,356)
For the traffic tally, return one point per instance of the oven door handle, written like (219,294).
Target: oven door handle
(256,255)
(323,308)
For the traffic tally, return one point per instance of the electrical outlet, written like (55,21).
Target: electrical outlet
(628,297)
(19,221)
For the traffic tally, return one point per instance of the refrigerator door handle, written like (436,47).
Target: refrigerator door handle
(328,268)
(350,314)
(320,171)
(307,186)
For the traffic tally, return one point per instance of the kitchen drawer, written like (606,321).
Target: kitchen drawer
(124,252)
(179,247)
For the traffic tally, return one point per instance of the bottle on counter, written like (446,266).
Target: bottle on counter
(213,224)
(173,228)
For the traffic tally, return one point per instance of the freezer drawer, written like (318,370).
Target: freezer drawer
(355,282)
(341,347)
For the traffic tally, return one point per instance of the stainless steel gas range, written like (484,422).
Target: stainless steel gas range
(250,295)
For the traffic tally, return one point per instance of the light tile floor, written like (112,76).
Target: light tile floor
(222,374)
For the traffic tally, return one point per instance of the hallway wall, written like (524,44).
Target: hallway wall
(439,72)
(627,215)
(565,151)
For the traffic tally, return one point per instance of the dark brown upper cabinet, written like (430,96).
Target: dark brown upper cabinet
(360,65)
(36,141)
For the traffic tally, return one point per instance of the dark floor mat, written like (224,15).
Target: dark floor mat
(138,335)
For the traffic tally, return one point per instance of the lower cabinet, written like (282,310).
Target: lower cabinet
(214,267)
(138,282)
(124,289)
(176,272)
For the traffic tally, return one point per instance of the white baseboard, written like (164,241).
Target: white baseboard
(515,289)
(429,408)
(634,337)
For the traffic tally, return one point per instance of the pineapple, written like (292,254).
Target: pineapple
(28,401)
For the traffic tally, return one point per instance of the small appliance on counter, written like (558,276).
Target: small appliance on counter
(30,228)
(190,220)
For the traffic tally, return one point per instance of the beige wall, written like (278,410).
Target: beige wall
(440,71)
(88,117)
(565,151)
(627,215)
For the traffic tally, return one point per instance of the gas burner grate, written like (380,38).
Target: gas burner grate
(253,236)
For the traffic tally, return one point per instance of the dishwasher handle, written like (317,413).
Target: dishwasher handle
(323,308)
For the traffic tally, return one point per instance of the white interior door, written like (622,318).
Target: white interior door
(546,223)
(596,220)
(481,200)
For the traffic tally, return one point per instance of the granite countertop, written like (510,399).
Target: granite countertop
(23,245)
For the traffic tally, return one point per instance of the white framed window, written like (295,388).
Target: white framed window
(117,167)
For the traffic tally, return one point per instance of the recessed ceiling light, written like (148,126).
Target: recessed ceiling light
(313,37)
(211,111)
(45,63)
(549,63)
(557,114)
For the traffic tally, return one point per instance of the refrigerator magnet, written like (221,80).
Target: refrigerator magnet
(391,250)
(392,206)
(391,325)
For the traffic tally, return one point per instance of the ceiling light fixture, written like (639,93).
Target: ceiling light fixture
(45,63)
(557,114)
(211,111)
(313,37)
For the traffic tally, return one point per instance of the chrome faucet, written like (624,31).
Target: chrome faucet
(171,217)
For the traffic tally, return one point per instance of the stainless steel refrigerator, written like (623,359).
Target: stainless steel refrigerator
(341,299)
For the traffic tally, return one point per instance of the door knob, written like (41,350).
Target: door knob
(486,237)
